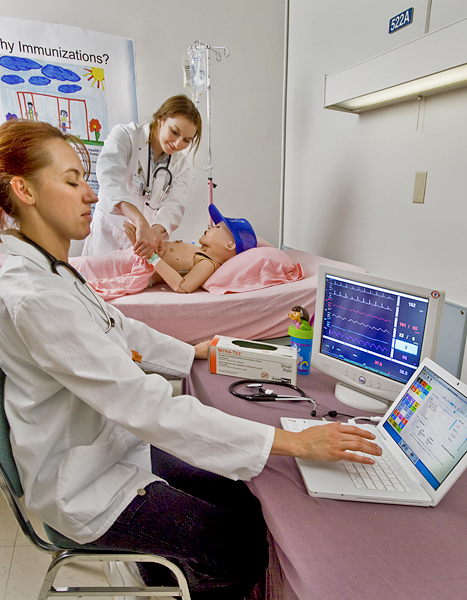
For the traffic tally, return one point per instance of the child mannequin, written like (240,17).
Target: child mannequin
(183,266)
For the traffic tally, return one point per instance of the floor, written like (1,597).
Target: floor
(22,566)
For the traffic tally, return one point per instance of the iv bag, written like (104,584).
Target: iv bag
(186,71)
(198,79)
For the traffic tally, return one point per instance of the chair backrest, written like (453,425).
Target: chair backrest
(10,483)
(6,457)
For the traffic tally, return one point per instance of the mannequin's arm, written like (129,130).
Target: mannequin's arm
(191,281)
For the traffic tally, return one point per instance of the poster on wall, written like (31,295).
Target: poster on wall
(78,80)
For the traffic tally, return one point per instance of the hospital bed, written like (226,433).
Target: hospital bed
(256,314)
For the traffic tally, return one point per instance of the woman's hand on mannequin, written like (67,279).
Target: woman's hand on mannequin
(144,245)
(141,235)
(158,232)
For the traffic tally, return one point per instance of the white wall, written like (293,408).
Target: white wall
(349,179)
(246,88)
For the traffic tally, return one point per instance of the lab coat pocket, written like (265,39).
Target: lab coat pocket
(91,477)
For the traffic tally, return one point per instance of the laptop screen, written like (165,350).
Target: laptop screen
(429,424)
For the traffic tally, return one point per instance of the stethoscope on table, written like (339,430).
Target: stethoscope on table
(55,263)
(147,191)
(265,395)
(262,395)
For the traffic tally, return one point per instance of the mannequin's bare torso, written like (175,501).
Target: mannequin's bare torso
(182,256)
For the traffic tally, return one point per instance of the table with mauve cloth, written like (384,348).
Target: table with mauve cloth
(339,550)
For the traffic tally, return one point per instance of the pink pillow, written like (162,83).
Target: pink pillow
(261,242)
(254,269)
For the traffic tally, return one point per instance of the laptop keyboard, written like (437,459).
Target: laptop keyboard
(380,476)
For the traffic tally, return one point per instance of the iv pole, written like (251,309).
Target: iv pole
(198,47)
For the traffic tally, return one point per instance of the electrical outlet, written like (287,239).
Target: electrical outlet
(419,187)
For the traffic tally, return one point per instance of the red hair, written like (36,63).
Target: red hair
(23,154)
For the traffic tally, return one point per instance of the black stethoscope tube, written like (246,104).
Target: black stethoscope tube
(55,263)
(262,396)
(165,190)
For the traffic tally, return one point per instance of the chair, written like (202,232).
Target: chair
(63,550)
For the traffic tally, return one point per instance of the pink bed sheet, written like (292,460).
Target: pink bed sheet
(259,314)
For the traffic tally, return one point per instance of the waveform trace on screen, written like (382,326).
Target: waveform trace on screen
(373,327)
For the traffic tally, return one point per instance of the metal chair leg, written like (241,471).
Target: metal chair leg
(69,557)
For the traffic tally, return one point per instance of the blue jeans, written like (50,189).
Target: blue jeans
(212,527)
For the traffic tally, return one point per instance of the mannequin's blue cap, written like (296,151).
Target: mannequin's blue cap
(242,231)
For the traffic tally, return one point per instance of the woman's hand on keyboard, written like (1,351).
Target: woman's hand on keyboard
(332,442)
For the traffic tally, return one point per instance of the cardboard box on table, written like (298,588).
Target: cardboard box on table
(249,359)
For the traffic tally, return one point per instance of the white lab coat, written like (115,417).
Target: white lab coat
(82,412)
(124,154)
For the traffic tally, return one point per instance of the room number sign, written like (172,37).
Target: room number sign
(401,20)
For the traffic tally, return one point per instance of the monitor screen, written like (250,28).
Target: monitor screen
(372,334)
(429,424)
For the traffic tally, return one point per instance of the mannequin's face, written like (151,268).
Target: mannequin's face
(173,135)
(219,239)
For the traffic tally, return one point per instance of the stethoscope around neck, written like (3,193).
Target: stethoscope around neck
(147,191)
(55,263)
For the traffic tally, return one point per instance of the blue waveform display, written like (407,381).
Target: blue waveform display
(377,329)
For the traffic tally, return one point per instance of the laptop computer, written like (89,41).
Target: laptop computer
(423,435)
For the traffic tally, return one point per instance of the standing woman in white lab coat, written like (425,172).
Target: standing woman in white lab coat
(143,177)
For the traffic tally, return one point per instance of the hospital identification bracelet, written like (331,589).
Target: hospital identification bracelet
(155,258)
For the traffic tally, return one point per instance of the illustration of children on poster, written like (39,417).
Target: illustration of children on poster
(62,75)
(72,99)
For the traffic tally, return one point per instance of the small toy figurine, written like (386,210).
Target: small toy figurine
(301,318)
(301,337)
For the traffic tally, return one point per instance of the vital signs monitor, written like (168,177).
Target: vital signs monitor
(371,334)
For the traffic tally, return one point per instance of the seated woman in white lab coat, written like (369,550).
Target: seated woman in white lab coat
(143,176)
(105,454)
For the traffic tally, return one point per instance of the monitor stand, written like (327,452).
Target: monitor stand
(360,400)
